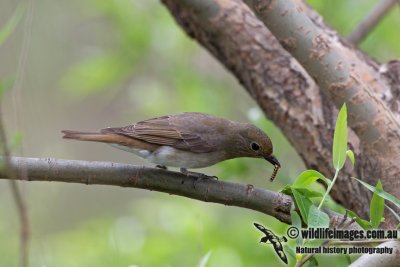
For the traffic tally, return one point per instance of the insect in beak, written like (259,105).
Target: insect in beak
(274,161)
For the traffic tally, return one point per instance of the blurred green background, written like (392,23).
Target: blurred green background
(87,65)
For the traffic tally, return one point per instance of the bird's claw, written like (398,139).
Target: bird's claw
(199,176)
(161,167)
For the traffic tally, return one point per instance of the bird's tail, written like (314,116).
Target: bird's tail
(87,136)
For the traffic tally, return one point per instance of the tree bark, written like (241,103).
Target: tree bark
(208,190)
(285,91)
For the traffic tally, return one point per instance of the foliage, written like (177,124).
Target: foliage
(314,217)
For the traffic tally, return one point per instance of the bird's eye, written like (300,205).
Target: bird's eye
(255,146)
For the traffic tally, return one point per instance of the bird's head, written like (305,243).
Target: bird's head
(254,143)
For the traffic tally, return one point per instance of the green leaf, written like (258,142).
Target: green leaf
(309,193)
(382,193)
(317,218)
(303,203)
(203,261)
(377,207)
(306,192)
(8,29)
(291,252)
(299,257)
(340,139)
(296,222)
(363,223)
(348,259)
(312,262)
(306,178)
(350,155)
(287,190)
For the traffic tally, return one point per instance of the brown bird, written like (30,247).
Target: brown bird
(187,140)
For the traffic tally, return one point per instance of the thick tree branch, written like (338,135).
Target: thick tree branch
(342,77)
(125,175)
(338,71)
(340,74)
(371,20)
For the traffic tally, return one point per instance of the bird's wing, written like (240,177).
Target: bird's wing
(163,131)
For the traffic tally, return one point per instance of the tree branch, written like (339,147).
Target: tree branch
(125,175)
(370,21)
(275,80)
(342,77)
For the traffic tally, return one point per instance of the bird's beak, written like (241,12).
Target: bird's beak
(274,161)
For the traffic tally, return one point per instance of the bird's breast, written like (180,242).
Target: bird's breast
(139,152)
(169,156)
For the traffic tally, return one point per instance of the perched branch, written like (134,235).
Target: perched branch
(125,175)
(371,20)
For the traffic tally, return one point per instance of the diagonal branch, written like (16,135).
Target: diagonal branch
(125,175)
(342,76)
(371,20)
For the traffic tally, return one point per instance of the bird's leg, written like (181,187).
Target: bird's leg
(162,167)
(197,175)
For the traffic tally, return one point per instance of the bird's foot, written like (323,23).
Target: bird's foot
(199,176)
(162,167)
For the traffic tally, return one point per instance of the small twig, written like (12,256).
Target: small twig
(20,203)
(370,21)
